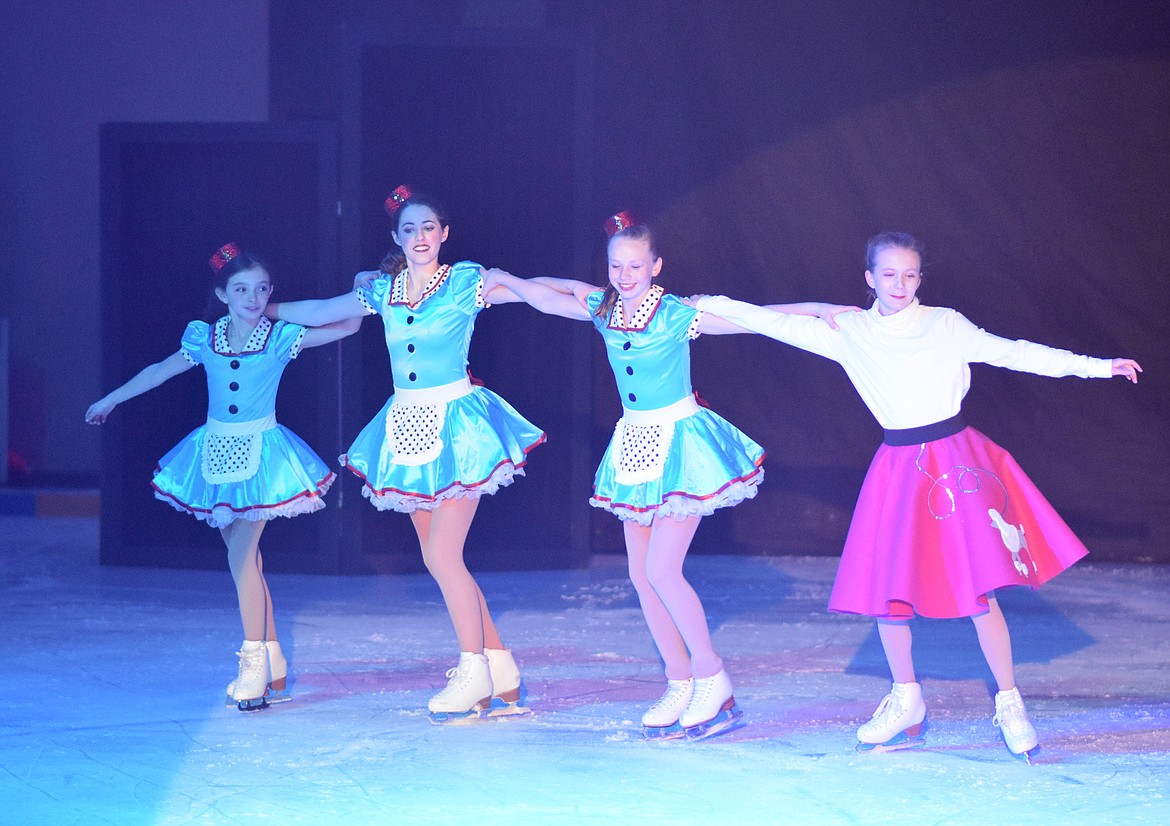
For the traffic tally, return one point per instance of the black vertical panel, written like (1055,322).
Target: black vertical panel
(494,130)
(171,195)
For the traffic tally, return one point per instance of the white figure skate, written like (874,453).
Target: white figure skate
(712,709)
(1018,733)
(277,691)
(898,722)
(468,694)
(253,678)
(661,720)
(507,688)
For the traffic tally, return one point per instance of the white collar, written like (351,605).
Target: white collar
(255,343)
(641,317)
(398,291)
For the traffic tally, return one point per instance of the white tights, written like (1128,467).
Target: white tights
(994,639)
(670,605)
(242,538)
(442,533)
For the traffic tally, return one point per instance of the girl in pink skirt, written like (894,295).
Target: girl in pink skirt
(945,516)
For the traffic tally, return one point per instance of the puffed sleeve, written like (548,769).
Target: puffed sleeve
(196,338)
(682,322)
(593,301)
(466,279)
(374,295)
(287,339)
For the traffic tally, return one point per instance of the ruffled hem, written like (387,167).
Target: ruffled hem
(389,499)
(485,442)
(222,514)
(679,506)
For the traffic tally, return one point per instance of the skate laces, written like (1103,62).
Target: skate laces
(884,705)
(251,663)
(675,690)
(703,689)
(455,680)
(1009,713)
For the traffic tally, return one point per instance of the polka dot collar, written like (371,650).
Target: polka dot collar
(398,291)
(642,315)
(255,343)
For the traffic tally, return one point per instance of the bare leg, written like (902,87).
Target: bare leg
(242,538)
(897,642)
(669,542)
(441,535)
(666,637)
(996,643)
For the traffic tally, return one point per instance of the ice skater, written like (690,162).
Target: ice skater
(440,442)
(945,516)
(670,462)
(241,468)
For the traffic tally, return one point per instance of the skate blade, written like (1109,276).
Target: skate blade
(273,697)
(501,709)
(726,720)
(257,704)
(671,732)
(899,742)
(460,718)
(1027,755)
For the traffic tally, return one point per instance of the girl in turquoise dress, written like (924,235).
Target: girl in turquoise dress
(241,468)
(670,462)
(440,442)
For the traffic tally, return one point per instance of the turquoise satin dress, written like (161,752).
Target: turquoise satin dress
(439,436)
(241,464)
(669,456)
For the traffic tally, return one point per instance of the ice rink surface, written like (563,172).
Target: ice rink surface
(112,701)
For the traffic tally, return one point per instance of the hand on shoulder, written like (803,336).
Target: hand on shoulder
(364,279)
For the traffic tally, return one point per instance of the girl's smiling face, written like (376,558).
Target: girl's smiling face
(632,268)
(895,277)
(246,293)
(420,234)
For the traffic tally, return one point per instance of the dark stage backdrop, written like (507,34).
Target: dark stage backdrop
(1041,193)
(767,142)
(171,195)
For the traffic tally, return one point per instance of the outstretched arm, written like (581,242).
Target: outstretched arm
(316,336)
(555,296)
(1128,368)
(318,312)
(711,324)
(147,379)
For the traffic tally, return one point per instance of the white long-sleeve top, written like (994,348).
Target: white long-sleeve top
(911,368)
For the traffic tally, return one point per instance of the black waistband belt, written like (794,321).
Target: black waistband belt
(926,433)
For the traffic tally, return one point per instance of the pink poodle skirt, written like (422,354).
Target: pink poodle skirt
(939,525)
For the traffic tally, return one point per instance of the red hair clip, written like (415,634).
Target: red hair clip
(616,223)
(397,199)
(223,255)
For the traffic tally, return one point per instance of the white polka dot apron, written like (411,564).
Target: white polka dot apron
(644,437)
(415,421)
(231,450)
